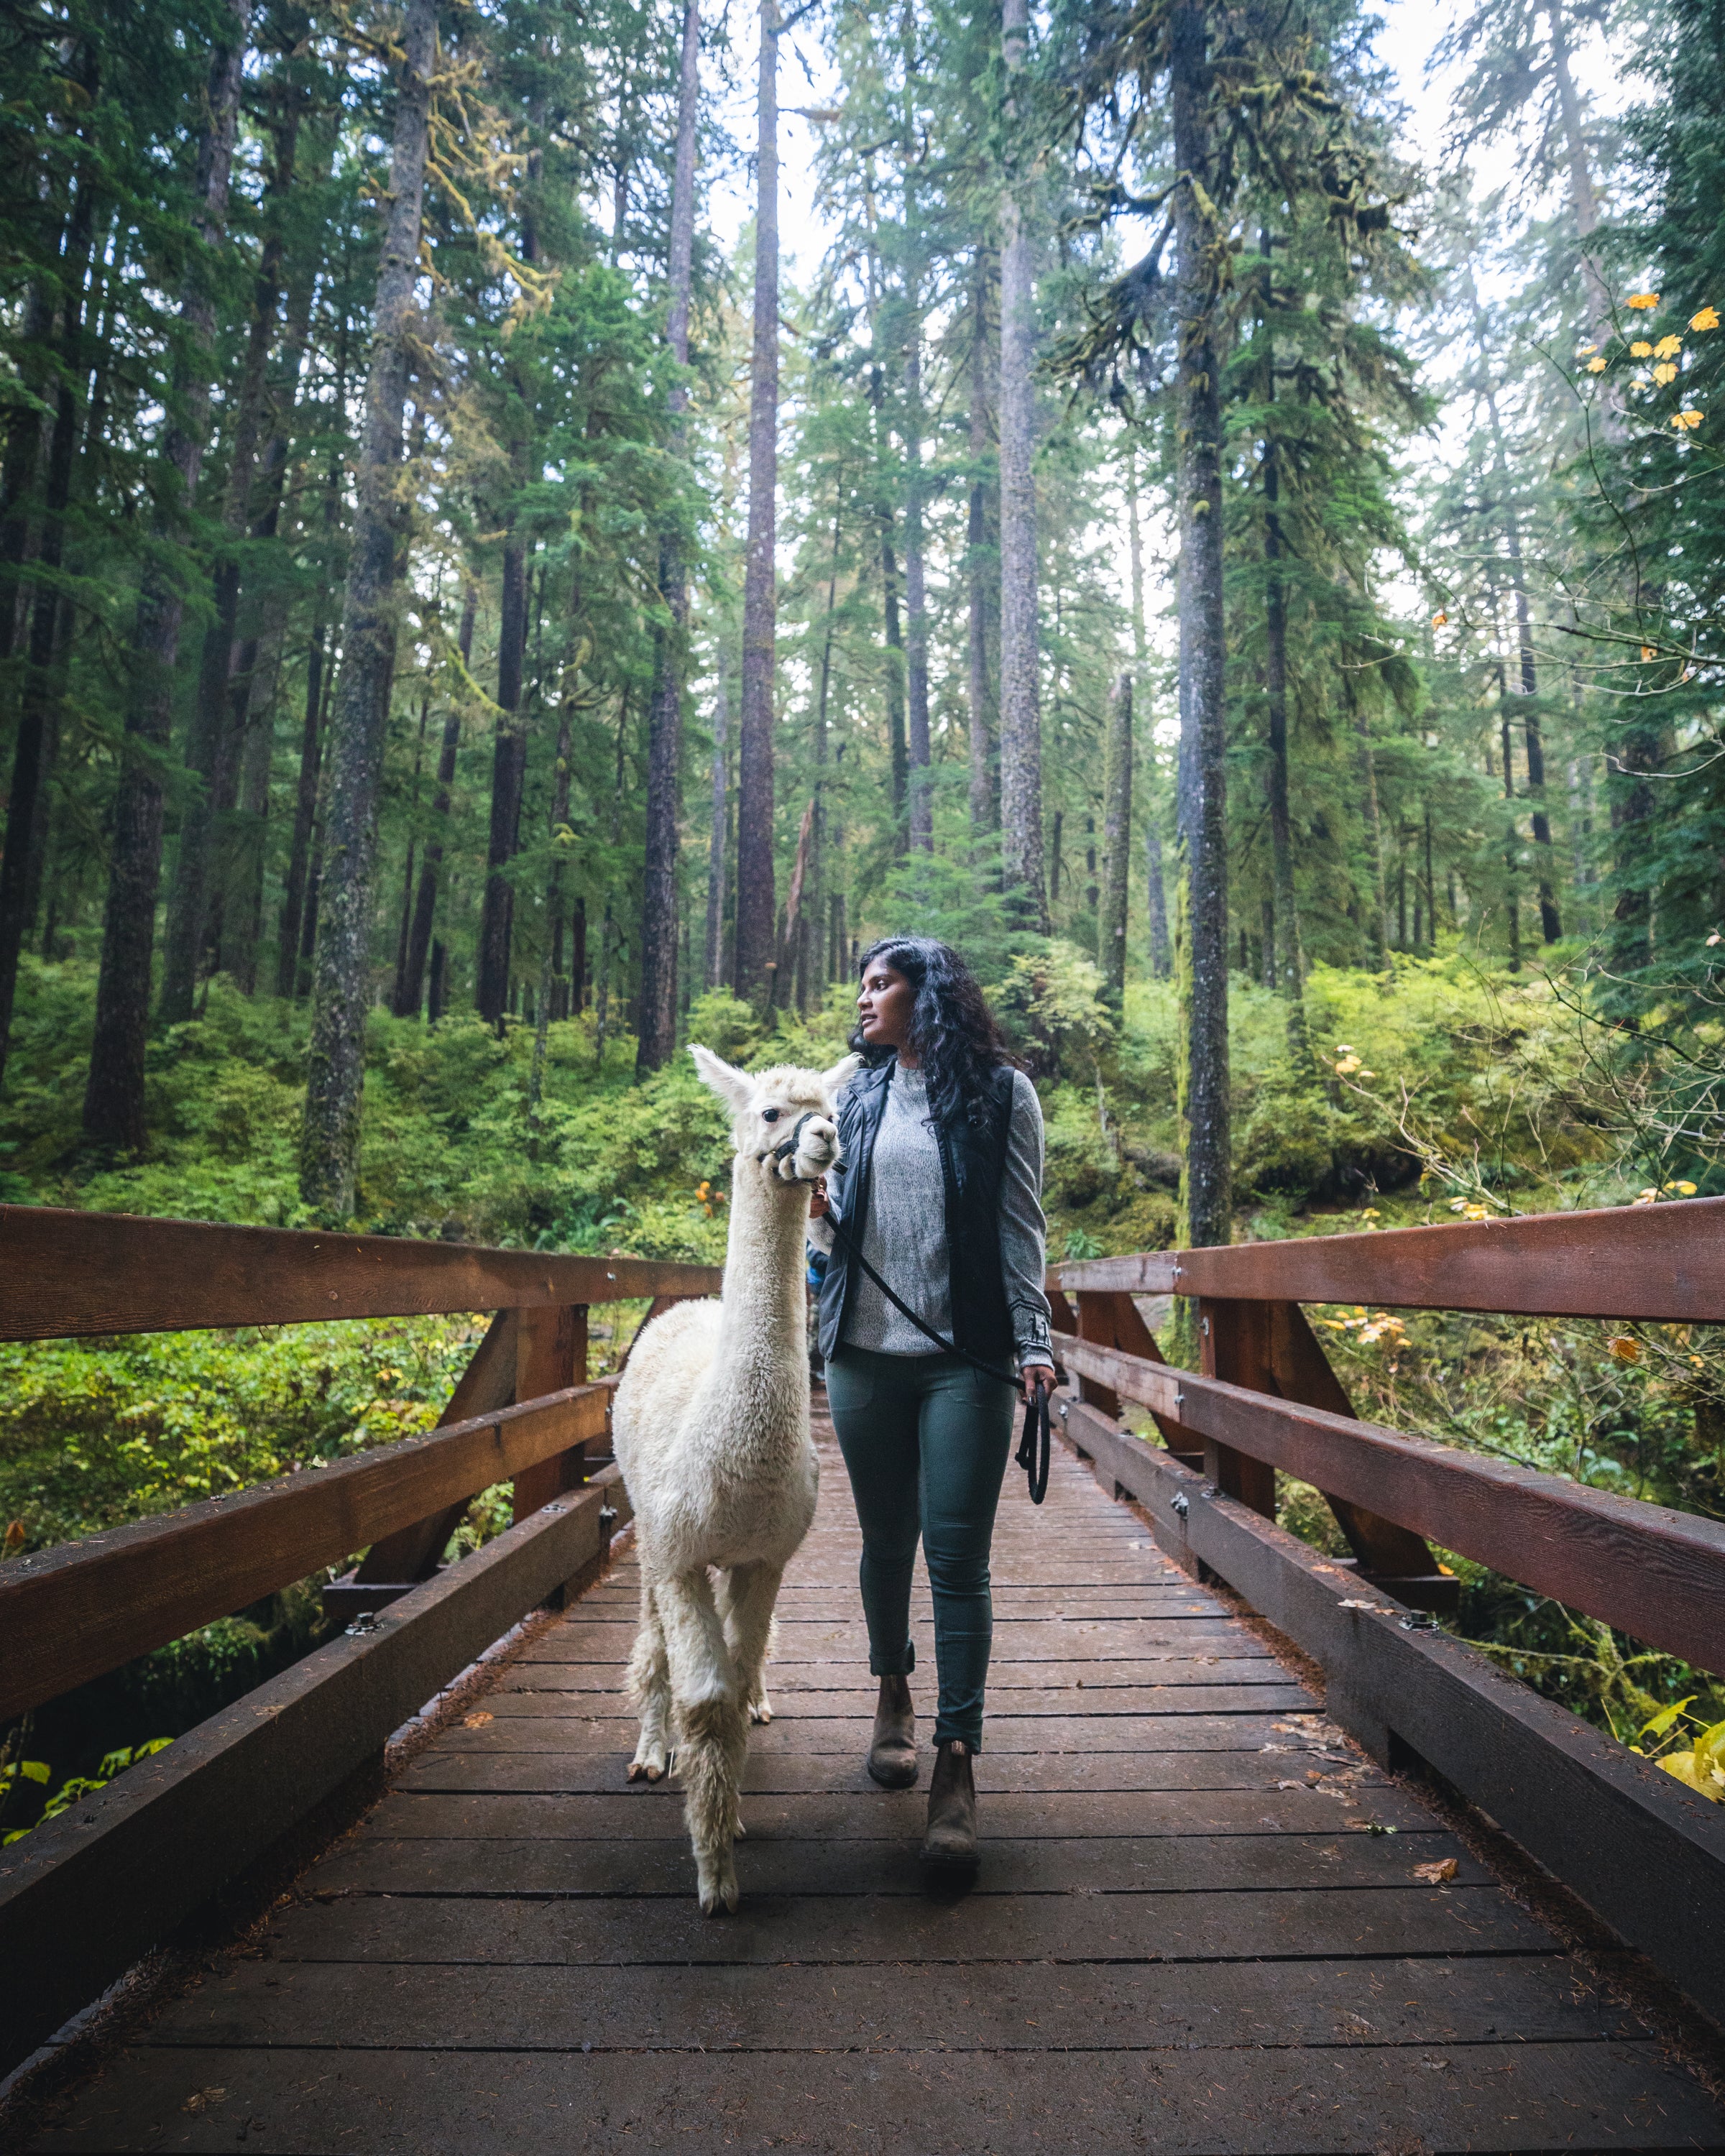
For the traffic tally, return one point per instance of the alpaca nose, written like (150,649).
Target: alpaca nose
(820,1143)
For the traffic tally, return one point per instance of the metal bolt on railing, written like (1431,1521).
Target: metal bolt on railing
(366,1621)
(553,1507)
(1182,1504)
(608,1518)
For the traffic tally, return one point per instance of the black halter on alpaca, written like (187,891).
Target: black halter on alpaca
(1033,1443)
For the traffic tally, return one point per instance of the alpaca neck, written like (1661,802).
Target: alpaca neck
(764,1319)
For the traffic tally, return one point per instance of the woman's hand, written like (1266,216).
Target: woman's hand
(1035,1377)
(817,1200)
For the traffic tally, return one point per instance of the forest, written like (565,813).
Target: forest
(521,547)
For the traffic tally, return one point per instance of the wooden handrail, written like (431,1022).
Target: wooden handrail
(1660,1262)
(65,1274)
(74,1613)
(1655,1574)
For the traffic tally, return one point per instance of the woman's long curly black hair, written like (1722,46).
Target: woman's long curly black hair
(952,1030)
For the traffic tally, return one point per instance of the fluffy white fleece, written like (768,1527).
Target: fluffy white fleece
(711,1430)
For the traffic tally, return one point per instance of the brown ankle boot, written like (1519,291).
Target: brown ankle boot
(892,1753)
(951,1839)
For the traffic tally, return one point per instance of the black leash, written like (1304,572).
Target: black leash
(1033,1443)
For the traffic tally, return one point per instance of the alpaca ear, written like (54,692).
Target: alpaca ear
(733,1087)
(833,1082)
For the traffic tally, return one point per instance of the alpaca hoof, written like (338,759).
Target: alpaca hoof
(649,1764)
(717,1877)
(761,1710)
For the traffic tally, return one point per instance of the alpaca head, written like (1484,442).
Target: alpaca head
(765,1108)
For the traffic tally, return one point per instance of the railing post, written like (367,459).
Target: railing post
(1235,1344)
(550,1352)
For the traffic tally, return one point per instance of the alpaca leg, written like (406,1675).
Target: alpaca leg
(712,1730)
(753,1592)
(650,1688)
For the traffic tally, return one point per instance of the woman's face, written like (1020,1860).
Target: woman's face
(884,1005)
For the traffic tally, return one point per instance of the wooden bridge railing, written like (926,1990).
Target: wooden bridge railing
(84,1895)
(1645,1852)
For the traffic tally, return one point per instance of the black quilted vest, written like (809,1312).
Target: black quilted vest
(972,1162)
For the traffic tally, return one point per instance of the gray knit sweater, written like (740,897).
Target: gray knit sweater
(905,1235)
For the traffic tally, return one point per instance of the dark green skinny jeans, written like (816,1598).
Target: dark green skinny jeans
(925,1439)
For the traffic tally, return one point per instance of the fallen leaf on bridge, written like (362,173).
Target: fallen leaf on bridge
(477,1720)
(1435,1875)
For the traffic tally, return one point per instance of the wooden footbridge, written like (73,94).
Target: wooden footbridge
(1217,1911)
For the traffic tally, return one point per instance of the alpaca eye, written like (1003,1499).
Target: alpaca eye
(769,1115)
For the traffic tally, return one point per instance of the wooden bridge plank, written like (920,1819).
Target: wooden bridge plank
(837,1680)
(1183,2103)
(568,1772)
(1243,1863)
(819,1931)
(916,2007)
(801,1644)
(642,1813)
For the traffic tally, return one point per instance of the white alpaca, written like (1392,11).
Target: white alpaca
(712,1429)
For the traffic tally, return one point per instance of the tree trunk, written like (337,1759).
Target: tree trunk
(1020,714)
(329,1160)
(921,826)
(898,748)
(1550,921)
(715,839)
(509,765)
(1117,840)
(982,574)
(553,911)
(114,1097)
(209,744)
(1283,962)
(1377,924)
(1583,202)
(756,908)
(1207,1178)
(657,1036)
(413,980)
(39,704)
(1162,958)
(291,921)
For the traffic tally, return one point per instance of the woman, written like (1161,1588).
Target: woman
(941,1192)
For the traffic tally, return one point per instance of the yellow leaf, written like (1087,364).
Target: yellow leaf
(1712,939)
(1641,349)
(1684,1189)
(1582,350)
(1685,1768)
(1668,347)
(1347,1067)
(477,1720)
(1690,419)
(1597,365)
(1624,1347)
(1643,302)
(1707,319)
(1648,654)
(1664,373)
(1439,618)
